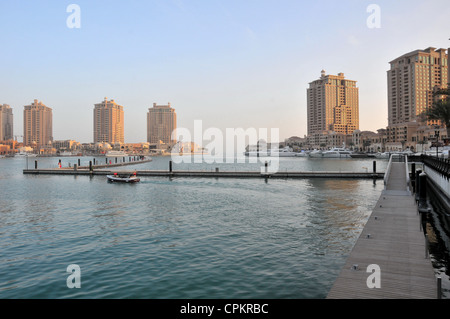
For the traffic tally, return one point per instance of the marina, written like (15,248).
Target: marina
(294,235)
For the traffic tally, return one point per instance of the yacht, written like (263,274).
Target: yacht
(282,152)
(302,154)
(115,154)
(337,153)
(315,153)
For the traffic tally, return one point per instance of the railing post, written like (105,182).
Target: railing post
(423,206)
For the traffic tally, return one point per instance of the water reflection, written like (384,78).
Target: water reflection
(437,228)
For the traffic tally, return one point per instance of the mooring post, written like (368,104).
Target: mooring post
(439,287)
(423,206)
(265,167)
(374,167)
(90,166)
(170,166)
(35,164)
(418,172)
(75,167)
(79,163)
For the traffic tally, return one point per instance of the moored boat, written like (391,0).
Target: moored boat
(337,153)
(123,178)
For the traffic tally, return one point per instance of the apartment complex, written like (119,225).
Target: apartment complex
(161,122)
(332,106)
(108,122)
(37,124)
(412,80)
(6,122)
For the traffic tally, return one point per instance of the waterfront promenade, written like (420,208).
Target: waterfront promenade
(393,240)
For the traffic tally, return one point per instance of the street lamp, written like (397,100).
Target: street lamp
(436,133)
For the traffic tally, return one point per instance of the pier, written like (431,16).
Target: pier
(205,174)
(394,241)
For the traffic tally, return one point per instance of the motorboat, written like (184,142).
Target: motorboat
(123,178)
(383,155)
(25,154)
(315,153)
(282,152)
(302,154)
(337,152)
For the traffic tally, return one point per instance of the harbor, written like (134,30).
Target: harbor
(309,227)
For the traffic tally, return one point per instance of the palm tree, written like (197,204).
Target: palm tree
(440,111)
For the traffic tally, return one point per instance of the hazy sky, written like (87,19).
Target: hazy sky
(232,64)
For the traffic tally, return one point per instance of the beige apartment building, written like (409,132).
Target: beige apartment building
(161,122)
(37,124)
(332,105)
(6,123)
(412,79)
(108,122)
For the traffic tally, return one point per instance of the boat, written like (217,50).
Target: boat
(383,155)
(282,152)
(115,154)
(315,153)
(123,178)
(25,154)
(337,152)
(302,154)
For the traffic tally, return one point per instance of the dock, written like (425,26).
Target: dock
(205,174)
(393,240)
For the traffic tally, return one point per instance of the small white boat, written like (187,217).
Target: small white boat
(123,178)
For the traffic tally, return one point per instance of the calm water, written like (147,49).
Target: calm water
(181,237)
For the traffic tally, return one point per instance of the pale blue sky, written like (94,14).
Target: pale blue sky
(232,64)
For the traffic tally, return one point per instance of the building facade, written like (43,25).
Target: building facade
(108,122)
(6,123)
(37,124)
(332,105)
(161,124)
(412,80)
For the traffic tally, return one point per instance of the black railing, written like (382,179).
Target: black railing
(440,165)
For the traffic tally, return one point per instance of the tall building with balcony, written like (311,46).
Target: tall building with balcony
(161,122)
(108,122)
(412,80)
(37,124)
(332,105)
(6,123)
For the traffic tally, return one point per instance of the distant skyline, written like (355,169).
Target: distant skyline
(228,63)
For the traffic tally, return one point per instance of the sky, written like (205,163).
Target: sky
(231,64)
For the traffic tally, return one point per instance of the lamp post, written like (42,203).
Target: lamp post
(436,133)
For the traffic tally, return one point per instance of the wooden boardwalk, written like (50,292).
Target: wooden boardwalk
(393,240)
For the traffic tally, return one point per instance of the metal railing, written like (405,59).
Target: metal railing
(388,171)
